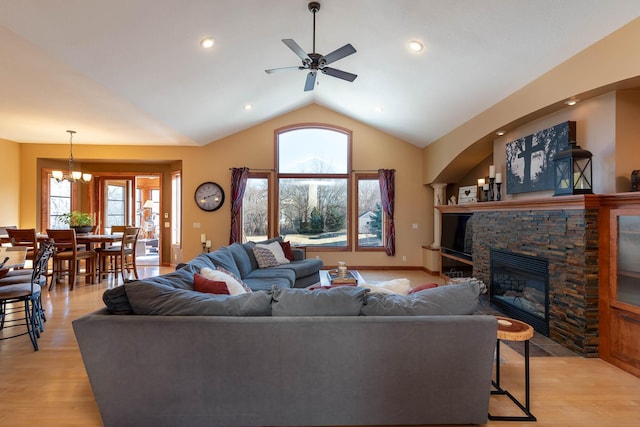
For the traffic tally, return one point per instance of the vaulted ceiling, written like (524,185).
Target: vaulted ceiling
(133,72)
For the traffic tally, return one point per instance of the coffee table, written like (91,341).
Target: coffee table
(325,280)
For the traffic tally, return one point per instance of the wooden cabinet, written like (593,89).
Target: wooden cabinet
(620,285)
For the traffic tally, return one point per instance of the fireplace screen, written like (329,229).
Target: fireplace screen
(520,287)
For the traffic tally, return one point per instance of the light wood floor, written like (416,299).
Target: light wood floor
(50,387)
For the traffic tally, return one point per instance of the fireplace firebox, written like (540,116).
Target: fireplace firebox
(519,287)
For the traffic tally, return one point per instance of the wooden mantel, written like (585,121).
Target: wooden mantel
(586,201)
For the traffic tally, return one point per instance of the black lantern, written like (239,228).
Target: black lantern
(573,171)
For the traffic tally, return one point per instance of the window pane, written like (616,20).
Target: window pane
(370,215)
(115,205)
(313,212)
(255,210)
(59,202)
(313,151)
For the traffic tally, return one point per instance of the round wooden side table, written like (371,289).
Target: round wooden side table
(513,330)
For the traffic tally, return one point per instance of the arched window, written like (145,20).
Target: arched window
(313,171)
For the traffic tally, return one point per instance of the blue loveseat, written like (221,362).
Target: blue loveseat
(240,260)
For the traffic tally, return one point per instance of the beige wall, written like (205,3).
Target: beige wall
(10,188)
(254,148)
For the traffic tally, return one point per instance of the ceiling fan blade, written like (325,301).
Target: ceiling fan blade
(339,74)
(295,47)
(340,53)
(311,81)
(276,70)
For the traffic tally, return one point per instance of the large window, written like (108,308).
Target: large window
(313,185)
(255,208)
(59,202)
(371,218)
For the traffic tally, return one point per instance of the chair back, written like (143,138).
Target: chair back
(118,228)
(4,228)
(64,240)
(129,238)
(23,237)
(41,262)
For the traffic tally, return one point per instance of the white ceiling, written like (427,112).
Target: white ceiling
(132,71)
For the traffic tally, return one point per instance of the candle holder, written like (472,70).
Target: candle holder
(498,185)
(204,247)
(491,181)
(486,195)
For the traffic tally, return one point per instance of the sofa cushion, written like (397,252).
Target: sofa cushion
(423,287)
(160,300)
(338,301)
(233,285)
(268,274)
(443,300)
(303,268)
(208,286)
(241,258)
(223,257)
(116,301)
(261,284)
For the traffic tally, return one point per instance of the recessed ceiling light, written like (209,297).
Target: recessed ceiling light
(500,132)
(572,101)
(207,42)
(248,107)
(379,109)
(415,46)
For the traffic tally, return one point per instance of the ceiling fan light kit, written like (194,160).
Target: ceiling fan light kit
(315,62)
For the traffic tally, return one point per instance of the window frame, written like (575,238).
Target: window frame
(270,228)
(347,176)
(45,202)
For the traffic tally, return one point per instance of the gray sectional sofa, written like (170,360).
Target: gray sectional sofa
(162,354)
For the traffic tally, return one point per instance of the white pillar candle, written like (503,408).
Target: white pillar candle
(485,187)
(203,238)
(499,177)
(492,171)
(208,244)
(480,182)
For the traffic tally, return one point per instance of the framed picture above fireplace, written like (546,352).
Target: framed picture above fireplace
(529,159)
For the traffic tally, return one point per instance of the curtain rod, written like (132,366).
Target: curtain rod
(257,170)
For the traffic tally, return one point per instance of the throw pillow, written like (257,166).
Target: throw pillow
(276,250)
(442,300)
(230,273)
(235,288)
(286,248)
(396,286)
(423,287)
(264,256)
(337,301)
(208,286)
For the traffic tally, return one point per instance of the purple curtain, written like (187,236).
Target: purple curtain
(238,185)
(386,177)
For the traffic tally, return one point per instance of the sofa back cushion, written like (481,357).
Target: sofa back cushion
(456,299)
(241,258)
(338,301)
(160,300)
(223,257)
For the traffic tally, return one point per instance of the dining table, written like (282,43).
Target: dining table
(11,257)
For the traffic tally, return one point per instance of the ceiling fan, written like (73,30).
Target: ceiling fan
(315,62)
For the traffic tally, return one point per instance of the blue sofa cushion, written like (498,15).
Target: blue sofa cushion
(337,301)
(241,258)
(263,284)
(161,300)
(456,299)
(302,268)
(267,274)
(223,257)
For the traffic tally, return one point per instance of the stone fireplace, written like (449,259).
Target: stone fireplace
(564,232)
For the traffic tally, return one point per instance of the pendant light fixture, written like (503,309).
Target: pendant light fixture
(72,175)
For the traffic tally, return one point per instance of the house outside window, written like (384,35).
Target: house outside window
(371,218)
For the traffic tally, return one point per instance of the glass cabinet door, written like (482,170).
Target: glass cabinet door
(627,286)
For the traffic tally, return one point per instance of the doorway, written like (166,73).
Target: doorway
(133,200)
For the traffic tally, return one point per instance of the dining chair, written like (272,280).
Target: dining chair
(117,259)
(3,231)
(28,293)
(24,237)
(67,258)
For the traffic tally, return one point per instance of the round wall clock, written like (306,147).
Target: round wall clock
(209,196)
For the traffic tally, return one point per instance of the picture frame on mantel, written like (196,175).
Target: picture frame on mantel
(529,160)
(468,194)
